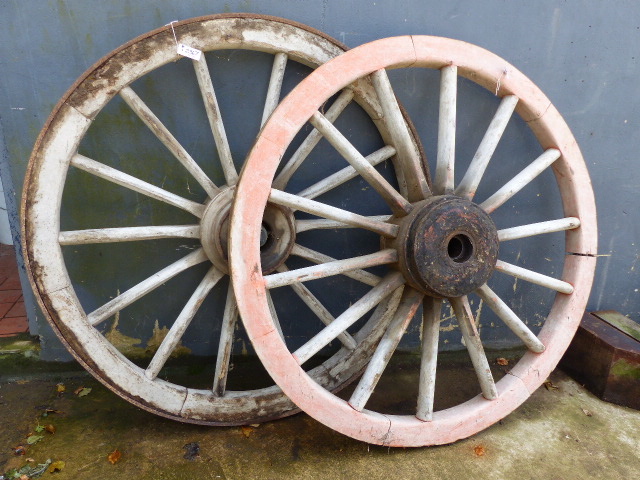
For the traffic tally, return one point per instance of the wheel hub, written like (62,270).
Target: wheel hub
(277,234)
(447,246)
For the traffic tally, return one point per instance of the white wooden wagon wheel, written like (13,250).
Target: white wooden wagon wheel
(439,246)
(59,150)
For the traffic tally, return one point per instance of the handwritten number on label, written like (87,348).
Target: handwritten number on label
(190,52)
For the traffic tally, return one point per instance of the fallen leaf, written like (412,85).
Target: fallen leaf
(39,428)
(34,439)
(19,450)
(56,466)
(502,361)
(550,386)
(255,425)
(49,411)
(192,450)
(479,450)
(50,428)
(246,431)
(587,412)
(60,388)
(83,392)
(114,456)
(29,460)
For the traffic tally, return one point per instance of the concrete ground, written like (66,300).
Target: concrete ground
(561,432)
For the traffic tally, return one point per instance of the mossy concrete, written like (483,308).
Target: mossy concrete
(562,432)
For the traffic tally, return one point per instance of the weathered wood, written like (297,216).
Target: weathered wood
(326,211)
(127,234)
(510,319)
(363,276)
(346,174)
(431,308)
(135,184)
(175,333)
(324,224)
(521,180)
(539,228)
(408,305)
(336,267)
(141,289)
(312,140)
(215,120)
(488,70)
(534,277)
(605,359)
(164,135)
(473,175)
(320,311)
(472,341)
(408,159)
(275,85)
(349,317)
(398,204)
(225,344)
(445,163)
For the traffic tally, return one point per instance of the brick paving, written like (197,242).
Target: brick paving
(13,316)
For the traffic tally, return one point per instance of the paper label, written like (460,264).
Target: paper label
(190,52)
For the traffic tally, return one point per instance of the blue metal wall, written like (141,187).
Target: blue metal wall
(583,55)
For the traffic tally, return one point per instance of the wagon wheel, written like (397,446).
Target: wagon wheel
(440,247)
(88,331)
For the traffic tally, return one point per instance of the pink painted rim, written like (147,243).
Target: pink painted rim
(488,70)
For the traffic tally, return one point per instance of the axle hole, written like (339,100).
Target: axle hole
(460,248)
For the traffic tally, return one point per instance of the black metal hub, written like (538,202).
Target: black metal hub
(447,246)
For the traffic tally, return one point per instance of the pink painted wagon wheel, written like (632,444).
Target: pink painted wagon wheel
(439,245)
(59,153)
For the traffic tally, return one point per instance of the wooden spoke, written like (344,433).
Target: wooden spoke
(347,173)
(431,308)
(472,341)
(275,85)
(171,340)
(317,257)
(534,277)
(336,267)
(323,210)
(157,127)
(225,345)
(446,131)
(398,204)
(532,229)
(369,335)
(474,173)
(408,305)
(135,184)
(127,234)
(146,286)
(323,224)
(349,317)
(274,315)
(311,141)
(408,155)
(521,180)
(510,319)
(318,309)
(215,120)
